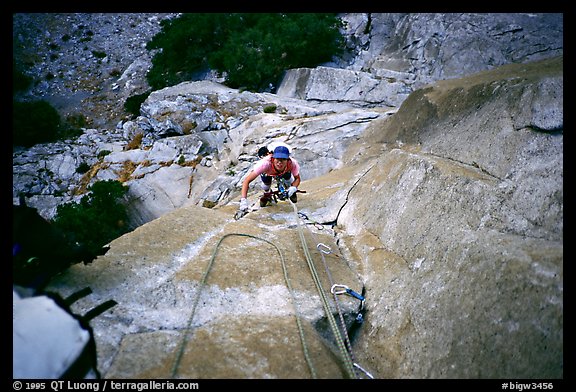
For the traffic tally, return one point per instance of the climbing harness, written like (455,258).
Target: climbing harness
(272,197)
(281,193)
(203,282)
(283,185)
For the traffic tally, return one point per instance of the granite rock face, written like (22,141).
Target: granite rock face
(449,214)
(432,160)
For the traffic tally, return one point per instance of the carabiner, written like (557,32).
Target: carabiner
(321,245)
(364,370)
(343,287)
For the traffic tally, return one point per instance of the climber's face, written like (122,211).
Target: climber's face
(280,164)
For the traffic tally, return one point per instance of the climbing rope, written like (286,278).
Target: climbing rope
(336,289)
(321,247)
(203,282)
(348,362)
(343,344)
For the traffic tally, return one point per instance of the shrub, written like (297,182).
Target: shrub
(103,153)
(82,168)
(34,122)
(98,54)
(133,103)
(98,218)
(115,73)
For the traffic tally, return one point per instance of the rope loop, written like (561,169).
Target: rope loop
(203,281)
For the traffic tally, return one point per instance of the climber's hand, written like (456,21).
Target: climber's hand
(243,204)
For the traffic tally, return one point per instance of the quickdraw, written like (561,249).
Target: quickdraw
(343,289)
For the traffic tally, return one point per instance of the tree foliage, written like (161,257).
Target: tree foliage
(251,50)
(34,122)
(98,218)
(38,121)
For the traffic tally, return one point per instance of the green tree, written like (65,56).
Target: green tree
(98,218)
(253,50)
(34,122)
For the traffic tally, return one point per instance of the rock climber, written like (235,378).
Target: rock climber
(277,165)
